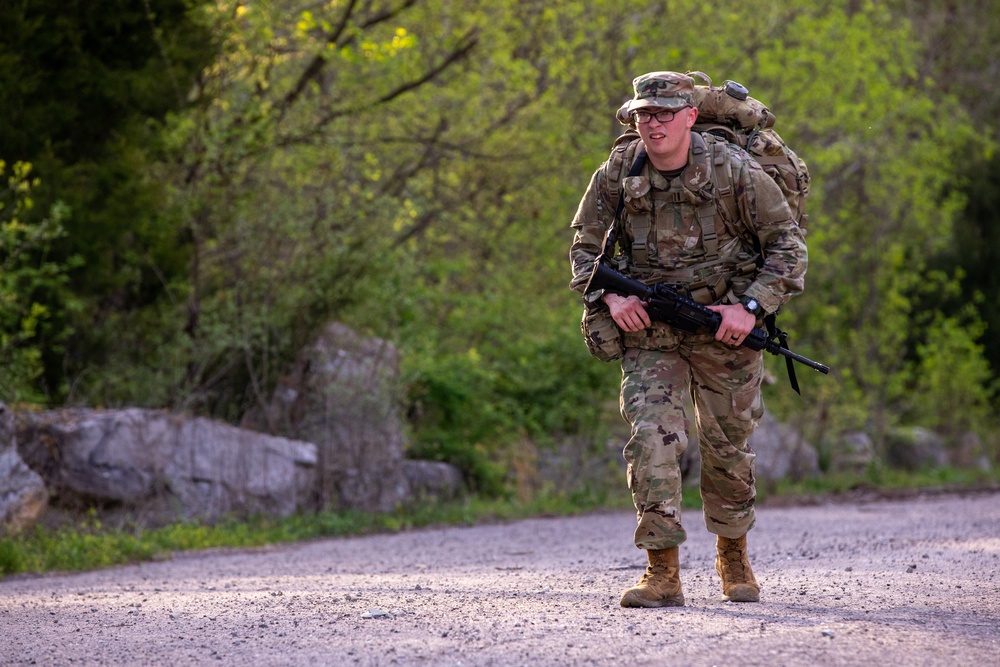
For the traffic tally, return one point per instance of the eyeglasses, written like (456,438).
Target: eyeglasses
(664,115)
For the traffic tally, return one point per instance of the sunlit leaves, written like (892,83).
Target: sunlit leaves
(26,272)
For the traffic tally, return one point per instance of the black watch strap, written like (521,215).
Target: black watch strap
(752,306)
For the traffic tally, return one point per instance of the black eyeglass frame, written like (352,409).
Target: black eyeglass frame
(638,116)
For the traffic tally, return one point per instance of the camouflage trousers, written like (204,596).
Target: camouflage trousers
(659,389)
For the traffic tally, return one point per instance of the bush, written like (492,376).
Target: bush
(467,408)
(32,286)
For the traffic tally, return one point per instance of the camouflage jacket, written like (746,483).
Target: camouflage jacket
(667,214)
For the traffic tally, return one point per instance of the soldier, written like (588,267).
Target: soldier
(744,258)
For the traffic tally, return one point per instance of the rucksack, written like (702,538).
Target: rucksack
(729,112)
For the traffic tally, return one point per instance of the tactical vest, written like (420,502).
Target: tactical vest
(708,187)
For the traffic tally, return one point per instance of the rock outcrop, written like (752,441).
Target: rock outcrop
(343,395)
(915,448)
(167,466)
(782,452)
(23,497)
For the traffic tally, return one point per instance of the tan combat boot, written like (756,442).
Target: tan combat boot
(660,585)
(732,564)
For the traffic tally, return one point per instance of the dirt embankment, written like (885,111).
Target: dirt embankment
(913,582)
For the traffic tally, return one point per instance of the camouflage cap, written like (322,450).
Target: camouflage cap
(662,90)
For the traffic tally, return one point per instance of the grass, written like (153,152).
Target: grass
(90,544)
(879,478)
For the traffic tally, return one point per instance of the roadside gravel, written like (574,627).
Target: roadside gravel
(914,582)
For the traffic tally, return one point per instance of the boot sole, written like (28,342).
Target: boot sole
(737,592)
(748,595)
(631,601)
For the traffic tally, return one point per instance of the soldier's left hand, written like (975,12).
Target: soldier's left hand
(736,323)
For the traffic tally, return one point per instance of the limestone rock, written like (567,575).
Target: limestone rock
(913,448)
(971,453)
(782,452)
(433,479)
(23,497)
(343,395)
(167,466)
(852,453)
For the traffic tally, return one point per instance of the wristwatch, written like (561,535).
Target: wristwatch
(752,306)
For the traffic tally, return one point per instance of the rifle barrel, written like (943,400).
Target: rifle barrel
(805,361)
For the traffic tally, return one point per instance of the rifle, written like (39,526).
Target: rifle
(665,305)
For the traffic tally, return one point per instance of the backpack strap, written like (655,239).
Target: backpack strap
(623,152)
(709,237)
(722,179)
(629,159)
(722,195)
(637,165)
(774,160)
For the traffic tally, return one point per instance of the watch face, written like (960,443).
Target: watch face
(751,305)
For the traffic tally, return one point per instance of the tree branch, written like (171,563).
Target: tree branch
(319,61)
(467,43)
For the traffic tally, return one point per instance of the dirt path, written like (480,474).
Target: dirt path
(914,582)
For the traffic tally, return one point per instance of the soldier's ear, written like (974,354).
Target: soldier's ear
(692,117)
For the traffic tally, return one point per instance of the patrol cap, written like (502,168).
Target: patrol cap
(661,90)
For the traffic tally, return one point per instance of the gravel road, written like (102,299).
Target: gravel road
(913,582)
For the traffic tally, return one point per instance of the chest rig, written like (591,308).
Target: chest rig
(656,208)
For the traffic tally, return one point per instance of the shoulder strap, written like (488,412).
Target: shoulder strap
(716,161)
(623,150)
(725,175)
(722,179)
(612,236)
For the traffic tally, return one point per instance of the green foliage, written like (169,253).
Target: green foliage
(974,254)
(29,282)
(74,72)
(291,205)
(845,77)
(880,480)
(467,410)
(84,87)
(941,26)
(241,174)
(952,377)
(456,421)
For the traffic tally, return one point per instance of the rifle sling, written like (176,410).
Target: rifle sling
(612,236)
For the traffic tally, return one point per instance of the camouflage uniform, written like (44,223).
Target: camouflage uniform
(665,373)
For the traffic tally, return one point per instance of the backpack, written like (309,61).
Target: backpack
(730,113)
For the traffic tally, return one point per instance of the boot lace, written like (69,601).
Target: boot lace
(732,562)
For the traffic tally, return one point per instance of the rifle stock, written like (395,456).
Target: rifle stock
(665,305)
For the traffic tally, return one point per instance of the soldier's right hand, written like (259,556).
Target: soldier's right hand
(629,312)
